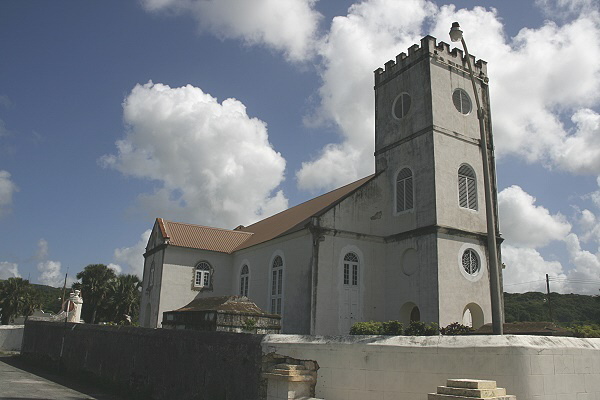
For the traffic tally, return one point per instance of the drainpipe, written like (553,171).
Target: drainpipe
(314,228)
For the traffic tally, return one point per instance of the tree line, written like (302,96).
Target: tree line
(107,297)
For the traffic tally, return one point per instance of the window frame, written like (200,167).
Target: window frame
(479,252)
(351,269)
(402,98)
(203,276)
(467,188)
(463,95)
(276,284)
(245,280)
(407,181)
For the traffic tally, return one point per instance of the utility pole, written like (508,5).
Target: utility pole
(548,291)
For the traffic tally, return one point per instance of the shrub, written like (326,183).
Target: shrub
(456,329)
(419,328)
(392,328)
(585,331)
(366,328)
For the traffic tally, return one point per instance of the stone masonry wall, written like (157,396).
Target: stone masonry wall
(152,363)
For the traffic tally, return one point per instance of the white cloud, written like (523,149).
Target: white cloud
(580,150)
(356,45)
(42,251)
(50,273)
(132,257)
(289,26)
(7,189)
(526,270)
(553,60)
(117,269)
(9,270)
(566,8)
(590,224)
(586,267)
(525,224)
(213,163)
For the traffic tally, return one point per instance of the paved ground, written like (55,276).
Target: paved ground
(19,381)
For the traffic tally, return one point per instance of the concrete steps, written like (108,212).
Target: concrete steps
(471,389)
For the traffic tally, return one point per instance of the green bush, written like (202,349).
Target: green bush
(366,328)
(456,329)
(585,331)
(392,328)
(419,328)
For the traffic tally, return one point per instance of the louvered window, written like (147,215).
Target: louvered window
(470,262)
(404,190)
(351,269)
(401,105)
(277,285)
(467,188)
(461,101)
(244,280)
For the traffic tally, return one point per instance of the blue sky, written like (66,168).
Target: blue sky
(223,112)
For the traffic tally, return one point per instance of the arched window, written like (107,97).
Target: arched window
(277,285)
(202,275)
(244,278)
(351,269)
(404,190)
(467,189)
(151,275)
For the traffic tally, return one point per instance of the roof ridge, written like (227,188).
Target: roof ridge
(206,227)
(313,199)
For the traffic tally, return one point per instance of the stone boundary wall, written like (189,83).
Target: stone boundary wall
(11,337)
(407,368)
(151,363)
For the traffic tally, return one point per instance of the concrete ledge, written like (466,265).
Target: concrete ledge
(11,337)
(479,393)
(437,396)
(471,384)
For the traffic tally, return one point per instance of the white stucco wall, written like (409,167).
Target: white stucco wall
(407,368)
(296,253)
(11,337)
(177,277)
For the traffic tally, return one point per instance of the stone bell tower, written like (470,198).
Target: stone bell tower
(427,145)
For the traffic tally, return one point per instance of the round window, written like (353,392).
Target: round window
(470,262)
(401,106)
(461,101)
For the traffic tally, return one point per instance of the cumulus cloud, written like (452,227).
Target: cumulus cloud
(552,59)
(213,163)
(586,266)
(356,45)
(9,270)
(526,270)
(42,251)
(566,8)
(50,273)
(7,189)
(590,225)
(525,224)
(289,26)
(132,256)
(116,268)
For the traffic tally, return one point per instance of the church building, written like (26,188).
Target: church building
(406,243)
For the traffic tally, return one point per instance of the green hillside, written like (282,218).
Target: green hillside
(566,308)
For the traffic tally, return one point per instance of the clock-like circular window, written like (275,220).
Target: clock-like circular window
(461,101)
(401,105)
(470,262)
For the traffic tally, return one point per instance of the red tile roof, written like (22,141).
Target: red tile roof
(227,241)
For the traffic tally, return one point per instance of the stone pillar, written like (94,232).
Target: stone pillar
(470,389)
(291,381)
(73,307)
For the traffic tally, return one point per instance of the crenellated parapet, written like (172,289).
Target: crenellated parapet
(440,52)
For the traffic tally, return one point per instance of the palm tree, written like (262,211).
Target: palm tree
(16,297)
(124,296)
(96,280)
